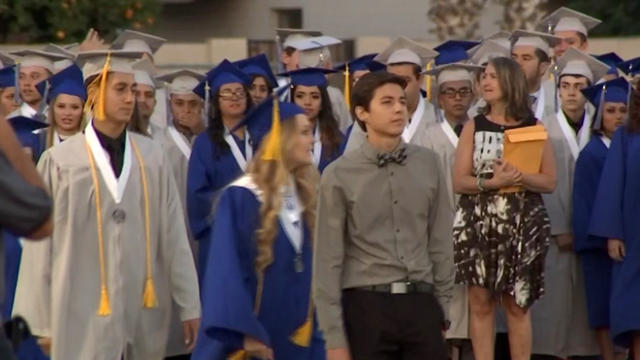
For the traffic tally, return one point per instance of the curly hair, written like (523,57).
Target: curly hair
(270,176)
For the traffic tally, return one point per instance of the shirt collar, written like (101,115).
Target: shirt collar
(109,143)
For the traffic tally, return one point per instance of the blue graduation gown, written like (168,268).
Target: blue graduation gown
(229,291)
(35,141)
(343,146)
(615,215)
(595,261)
(326,159)
(211,168)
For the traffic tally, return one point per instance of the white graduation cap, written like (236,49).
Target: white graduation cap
(62,50)
(487,50)
(286,36)
(314,50)
(92,62)
(565,19)
(138,41)
(144,73)
(39,58)
(5,60)
(404,50)
(453,72)
(182,81)
(536,39)
(501,37)
(575,62)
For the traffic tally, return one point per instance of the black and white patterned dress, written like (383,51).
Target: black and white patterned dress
(500,240)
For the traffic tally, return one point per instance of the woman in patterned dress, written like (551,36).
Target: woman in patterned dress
(500,239)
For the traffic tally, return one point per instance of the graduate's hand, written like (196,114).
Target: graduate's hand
(45,345)
(616,249)
(565,242)
(92,41)
(338,354)
(257,349)
(191,328)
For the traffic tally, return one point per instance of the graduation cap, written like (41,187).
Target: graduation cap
(138,41)
(612,59)
(363,63)
(536,39)
(314,50)
(224,73)
(404,50)
(68,81)
(93,62)
(266,117)
(182,81)
(617,90)
(95,66)
(22,124)
(453,72)
(6,60)
(575,62)
(62,50)
(286,36)
(452,51)
(144,73)
(258,65)
(565,19)
(39,58)
(8,76)
(308,76)
(487,50)
(630,67)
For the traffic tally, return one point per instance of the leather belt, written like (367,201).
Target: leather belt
(399,287)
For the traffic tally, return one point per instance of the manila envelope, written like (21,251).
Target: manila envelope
(523,148)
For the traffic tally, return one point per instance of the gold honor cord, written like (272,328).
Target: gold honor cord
(149,299)
(428,80)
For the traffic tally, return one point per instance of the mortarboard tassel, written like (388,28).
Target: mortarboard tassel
(207,105)
(103,88)
(272,148)
(17,98)
(149,299)
(598,123)
(347,87)
(427,80)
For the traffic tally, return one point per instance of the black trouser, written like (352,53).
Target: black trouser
(393,326)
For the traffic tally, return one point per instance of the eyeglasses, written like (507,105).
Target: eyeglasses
(229,94)
(451,93)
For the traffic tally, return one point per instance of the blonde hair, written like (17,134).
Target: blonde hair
(270,176)
(50,130)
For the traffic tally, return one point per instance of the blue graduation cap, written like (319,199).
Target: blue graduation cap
(308,76)
(362,63)
(630,67)
(259,121)
(616,90)
(224,73)
(8,76)
(452,51)
(22,124)
(257,65)
(612,59)
(68,81)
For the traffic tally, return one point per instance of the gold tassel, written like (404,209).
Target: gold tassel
(100,112)
(347,87)
(427,79)
(302,336)
(149,299)
(272,149)
(238,355)
(105,307)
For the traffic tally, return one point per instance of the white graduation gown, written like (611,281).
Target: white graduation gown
(559,319)
(58,289)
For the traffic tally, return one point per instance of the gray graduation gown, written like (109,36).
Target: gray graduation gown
(435,138)
(58,288)
(339,106)
(178,156)
(559,319)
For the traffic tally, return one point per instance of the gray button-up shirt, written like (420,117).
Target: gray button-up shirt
(377,225)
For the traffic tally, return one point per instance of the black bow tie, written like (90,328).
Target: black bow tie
(397,157)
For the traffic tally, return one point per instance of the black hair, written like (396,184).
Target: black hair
(542,56)
(270,86)
(330,135)
(216,129)
(417,70)
(365,89)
